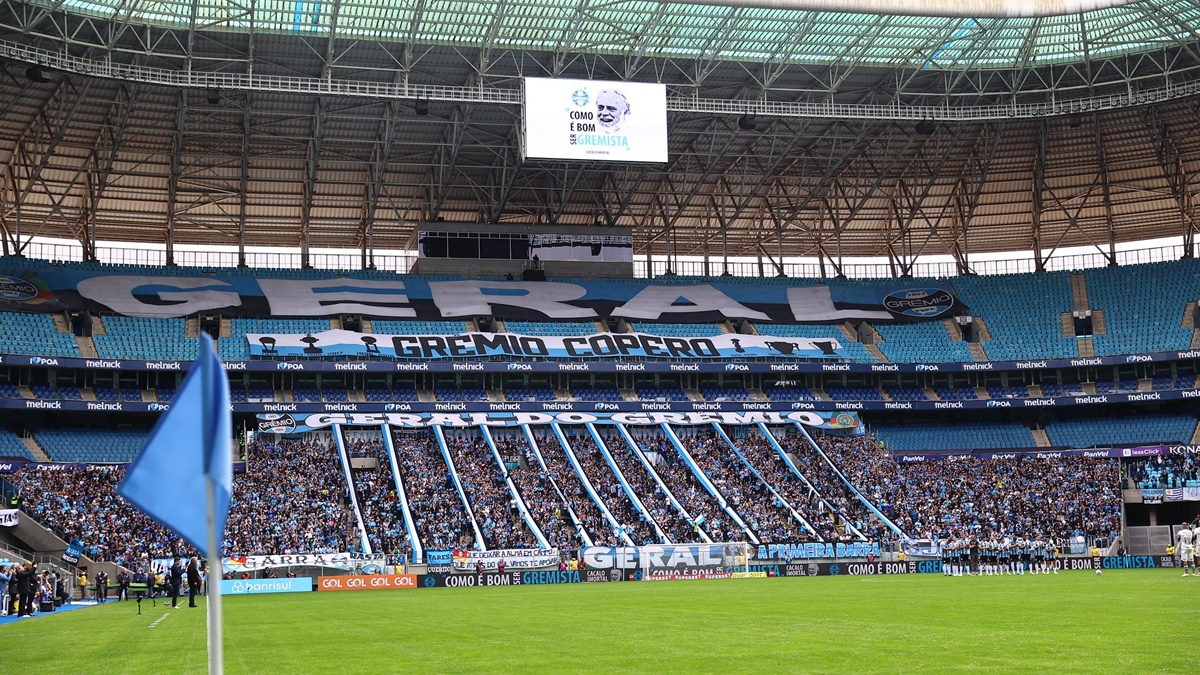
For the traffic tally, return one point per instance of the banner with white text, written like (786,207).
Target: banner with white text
(37,286)
(514,345)
(514,559)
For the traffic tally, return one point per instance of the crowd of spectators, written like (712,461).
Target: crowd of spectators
(837,503)
(749,497)
(494,505)
(291,499)
(599,530)
(82,503)
(1164,471)
(670,521)
(800,495)
(437,511)
(1028,496)
(688,491)
(540,492)
(381,508)
(601,475)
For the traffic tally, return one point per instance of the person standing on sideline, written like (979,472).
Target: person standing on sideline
(193,576)
(176,580)
(122,585)
(24,579)
(5,577)
(101,587)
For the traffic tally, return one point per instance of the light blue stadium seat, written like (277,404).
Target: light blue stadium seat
(1107,431)
(12,447)
(26,333)
(952,437)
(91,445)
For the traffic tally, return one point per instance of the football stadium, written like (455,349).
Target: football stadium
(423,335)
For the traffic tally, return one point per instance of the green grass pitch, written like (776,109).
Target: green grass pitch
(1123,621)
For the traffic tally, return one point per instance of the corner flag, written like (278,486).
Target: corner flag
(189,446)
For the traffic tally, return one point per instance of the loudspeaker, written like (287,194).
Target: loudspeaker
(533,275)
(37,74)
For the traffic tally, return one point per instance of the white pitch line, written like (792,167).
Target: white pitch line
(159,620)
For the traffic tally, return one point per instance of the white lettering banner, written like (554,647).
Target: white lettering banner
(253,563)
(600,345)
(9,517)
(514,558)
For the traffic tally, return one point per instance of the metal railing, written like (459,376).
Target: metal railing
(643,266)
(226,81)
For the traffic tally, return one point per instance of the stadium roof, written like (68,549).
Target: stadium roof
(791,130)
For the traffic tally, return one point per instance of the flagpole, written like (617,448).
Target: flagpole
(215,666)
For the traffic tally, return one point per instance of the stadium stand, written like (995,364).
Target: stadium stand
(962,436)
(654,498)
(131,337)
(835,504)
(442,522)
(683,330)
(378,502)
(604,481)
(394,327)
(1170,471)
(551,328)
(925,342)
(289,500)
(748,495)
(598,528)
(1022,313)
(854,351)
(11,446)
(540,492)
(682,483)
(1140,320)
(494,507)
(91,445)
(237,348)
(28,333)
(1005,497)
(1106,431)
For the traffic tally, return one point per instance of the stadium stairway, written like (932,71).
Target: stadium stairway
(1079,295)
(1040,439)
(344,458)
(763,481)
(462,496)
(409,524)
(36,450)
(625,487)
(562,497)
(636,450)
(587,484)
(1196,435)
(512,489)
(708,485)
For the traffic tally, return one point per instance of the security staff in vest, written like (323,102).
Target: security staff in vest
(194,581)
(176,580)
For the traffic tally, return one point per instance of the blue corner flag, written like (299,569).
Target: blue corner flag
(189,445)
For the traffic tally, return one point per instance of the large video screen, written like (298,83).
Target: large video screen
(595,120)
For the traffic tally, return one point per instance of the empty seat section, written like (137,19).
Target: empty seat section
(925,342)
(551,328)
(776,392)
(977,436)
(683,330)
(393,327)
(12,447)
(1109,431)
(131,337)
(22,333)
(91,445)
(1143,306)
(725,393)
(1023,313)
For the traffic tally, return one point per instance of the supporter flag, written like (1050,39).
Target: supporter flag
(189,446)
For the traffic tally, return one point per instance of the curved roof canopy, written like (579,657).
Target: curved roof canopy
(731,30)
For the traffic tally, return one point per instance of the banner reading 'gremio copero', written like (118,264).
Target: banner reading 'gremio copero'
(600,345)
